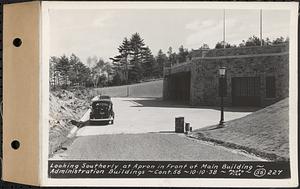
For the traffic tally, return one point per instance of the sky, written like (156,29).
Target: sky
(100,32)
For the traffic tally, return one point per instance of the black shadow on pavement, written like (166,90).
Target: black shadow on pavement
(158,102)
(89,123)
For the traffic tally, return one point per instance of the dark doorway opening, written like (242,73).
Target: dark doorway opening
(245,91)
(179,88)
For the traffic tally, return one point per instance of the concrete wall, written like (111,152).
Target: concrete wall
(118,91)
(146,89)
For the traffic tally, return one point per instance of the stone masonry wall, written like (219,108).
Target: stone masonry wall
(204,77)
(240,62)
(242,51)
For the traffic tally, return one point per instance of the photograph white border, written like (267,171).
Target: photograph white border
(178,182)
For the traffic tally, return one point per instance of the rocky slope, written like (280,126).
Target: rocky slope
(65,106)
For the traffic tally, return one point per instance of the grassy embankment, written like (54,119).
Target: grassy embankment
(264,133)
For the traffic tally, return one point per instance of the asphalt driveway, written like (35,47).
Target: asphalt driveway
(144,130)
(144,115)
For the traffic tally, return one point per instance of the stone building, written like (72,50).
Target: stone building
(255,76)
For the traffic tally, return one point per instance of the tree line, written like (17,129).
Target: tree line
(70,71)
(253,41)
(134,63)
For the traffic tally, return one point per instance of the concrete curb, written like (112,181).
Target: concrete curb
(265,155)
(78,125)
(73,131)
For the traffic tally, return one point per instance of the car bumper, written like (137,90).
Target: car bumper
(105,119)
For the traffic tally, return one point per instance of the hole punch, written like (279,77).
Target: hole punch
(15,144)
(17,42)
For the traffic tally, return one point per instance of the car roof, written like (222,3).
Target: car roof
(99,99)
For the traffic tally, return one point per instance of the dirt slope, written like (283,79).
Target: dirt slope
(64,107)
(264,132)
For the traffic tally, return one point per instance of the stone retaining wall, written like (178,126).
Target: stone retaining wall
(240,51)
(204,77)
(258,62)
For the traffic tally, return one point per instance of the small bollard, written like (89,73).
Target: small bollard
(191,129)
(187,128)
(179,124)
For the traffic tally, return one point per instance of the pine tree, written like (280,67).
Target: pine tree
(134,60)
(137,47)
(125,52)
(148,63)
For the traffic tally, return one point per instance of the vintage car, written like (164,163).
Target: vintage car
(102,110)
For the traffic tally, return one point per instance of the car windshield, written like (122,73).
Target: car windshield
(105,105)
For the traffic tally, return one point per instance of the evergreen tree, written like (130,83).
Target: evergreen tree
(148,63)
(134,60)
(125,52)
(135,73)
(116,79)
(137,47)
(125,48)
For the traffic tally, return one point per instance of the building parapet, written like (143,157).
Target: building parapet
(284,47)
(237,52)
(242,56)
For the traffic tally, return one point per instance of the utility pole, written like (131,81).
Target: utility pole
(260,27)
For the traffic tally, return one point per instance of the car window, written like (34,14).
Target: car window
(100,104)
